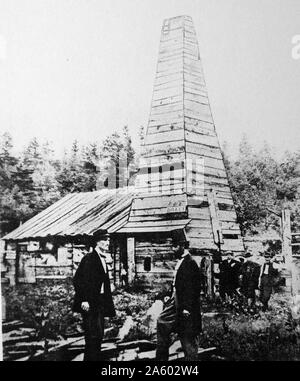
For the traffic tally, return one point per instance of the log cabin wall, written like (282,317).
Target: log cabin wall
(154,260)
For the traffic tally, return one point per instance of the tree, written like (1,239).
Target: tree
(117,157)
(8,166)
(7,161)
(27,182)
(288,177)
(79,169)
(260,181)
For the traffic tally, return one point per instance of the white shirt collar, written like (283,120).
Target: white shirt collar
(99,253)
(184,255)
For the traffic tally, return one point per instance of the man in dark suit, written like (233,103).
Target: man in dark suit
(249,274)
(229,272)
(267,277)
(93,298)
(182,311)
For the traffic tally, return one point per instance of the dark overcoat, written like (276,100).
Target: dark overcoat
(250,272)
(267,281)
(229,274)
(187,291)
(87,281)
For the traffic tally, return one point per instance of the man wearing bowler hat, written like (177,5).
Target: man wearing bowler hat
(93,298)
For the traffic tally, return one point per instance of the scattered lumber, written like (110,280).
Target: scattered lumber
(206,351)
(28,358)
(8,340)
(128,355)
(148,355)
(142,345)
(175,347)
(79,357)
(11,325)
(20,345)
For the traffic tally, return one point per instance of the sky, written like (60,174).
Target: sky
(81,69)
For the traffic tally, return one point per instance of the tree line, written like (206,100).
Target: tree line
(262,183)
(35,178)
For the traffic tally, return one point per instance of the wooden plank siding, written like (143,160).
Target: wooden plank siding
(160,250)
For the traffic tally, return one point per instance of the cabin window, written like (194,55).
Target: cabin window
(225,207)
(147,264)
(203,204)
(230,236)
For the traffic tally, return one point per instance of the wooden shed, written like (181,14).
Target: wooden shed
(51,244)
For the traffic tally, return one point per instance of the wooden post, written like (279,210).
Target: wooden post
(11,260)
(210,278)
(215,220)
(287,248)
(217,234)
(131,259)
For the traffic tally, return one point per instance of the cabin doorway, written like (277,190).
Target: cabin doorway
(120,261)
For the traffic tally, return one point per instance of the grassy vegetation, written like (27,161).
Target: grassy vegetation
(46,307)
(271,335)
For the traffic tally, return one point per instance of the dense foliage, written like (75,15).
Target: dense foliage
(262,182)
(265,336)
(46,307)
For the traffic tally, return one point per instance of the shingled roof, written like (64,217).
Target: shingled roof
(103,211)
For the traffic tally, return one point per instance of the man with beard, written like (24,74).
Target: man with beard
(93,298)
(182,311)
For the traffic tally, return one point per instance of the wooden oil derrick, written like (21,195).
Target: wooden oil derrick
(182,181)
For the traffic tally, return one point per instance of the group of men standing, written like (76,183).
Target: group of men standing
(247,278)
(181,313)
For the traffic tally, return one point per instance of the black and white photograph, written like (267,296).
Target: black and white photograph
(150,182)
